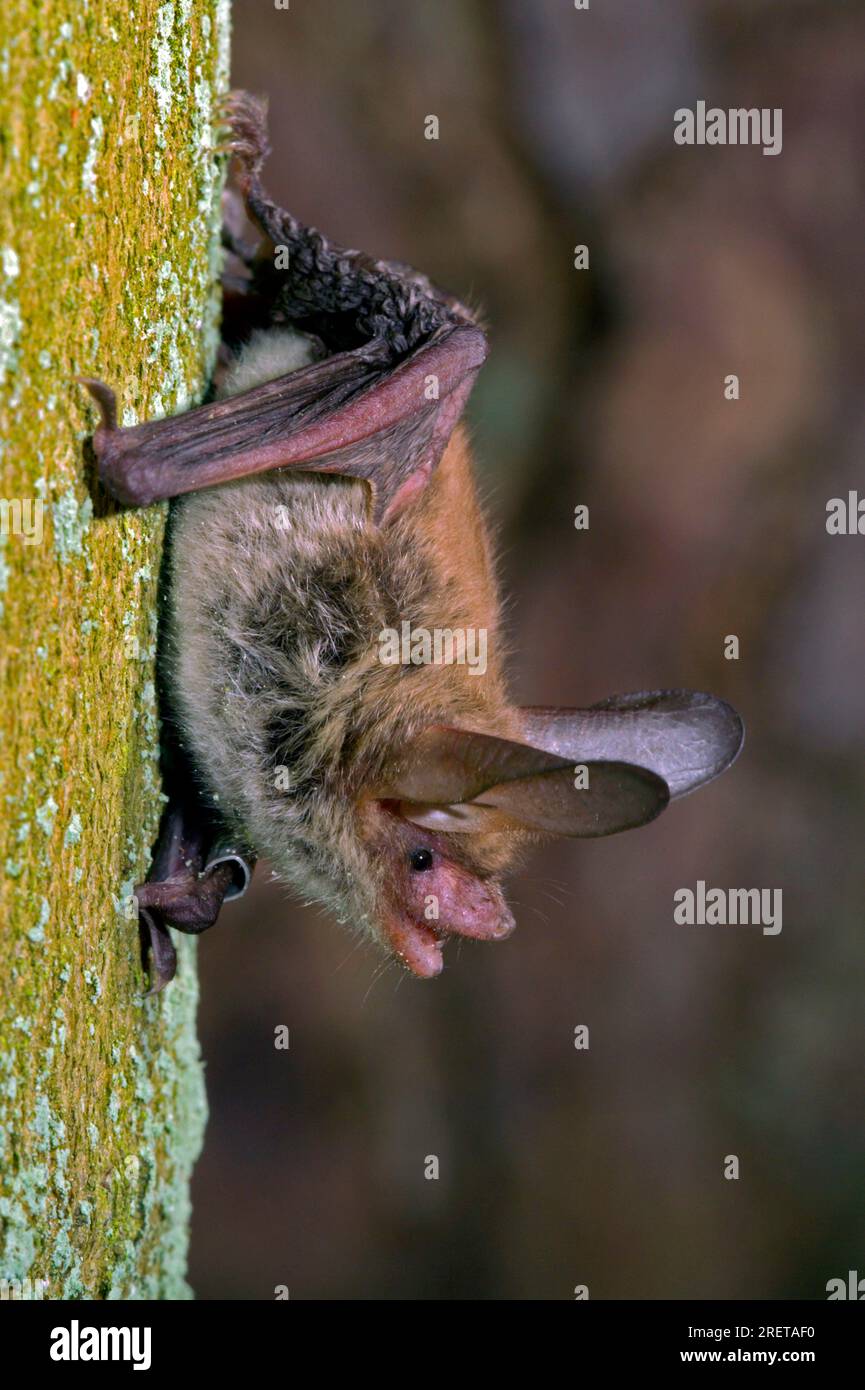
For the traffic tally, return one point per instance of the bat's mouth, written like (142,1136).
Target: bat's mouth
(418,945)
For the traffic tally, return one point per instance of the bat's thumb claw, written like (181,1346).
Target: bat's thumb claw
(104,398)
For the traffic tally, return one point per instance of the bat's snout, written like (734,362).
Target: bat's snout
(479,913)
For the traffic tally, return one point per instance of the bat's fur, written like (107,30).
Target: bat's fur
(280,586)
(396,794)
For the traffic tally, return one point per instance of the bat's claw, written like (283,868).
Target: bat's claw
(104,398)
(163,957)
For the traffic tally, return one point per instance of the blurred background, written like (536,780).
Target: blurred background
(604,386)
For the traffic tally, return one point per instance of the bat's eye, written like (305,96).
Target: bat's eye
(421,860)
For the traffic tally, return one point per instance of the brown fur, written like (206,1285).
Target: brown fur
(397,794)
(273,660)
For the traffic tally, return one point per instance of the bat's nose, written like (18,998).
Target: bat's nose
(507,923)
(475,909)
(481,922)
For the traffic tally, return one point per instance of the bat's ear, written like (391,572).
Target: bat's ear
(464,782)
(684,736)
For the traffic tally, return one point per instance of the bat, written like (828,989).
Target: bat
(324,502)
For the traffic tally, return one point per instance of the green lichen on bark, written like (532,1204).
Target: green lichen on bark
(109,251)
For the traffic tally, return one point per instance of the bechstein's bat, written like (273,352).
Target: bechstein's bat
(326,504)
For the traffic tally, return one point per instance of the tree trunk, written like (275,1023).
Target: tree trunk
(109,255)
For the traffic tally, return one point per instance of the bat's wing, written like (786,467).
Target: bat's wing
(353,413)
(457,780)
(381,406)
(684,736)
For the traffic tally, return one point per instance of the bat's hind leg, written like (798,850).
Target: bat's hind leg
(193,874)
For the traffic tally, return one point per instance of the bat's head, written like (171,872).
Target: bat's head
(456,808)
(433,884)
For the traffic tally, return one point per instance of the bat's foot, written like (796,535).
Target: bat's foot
(193,874)
(190,902)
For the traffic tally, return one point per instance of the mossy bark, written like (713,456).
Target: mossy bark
(109,252)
